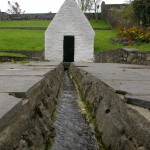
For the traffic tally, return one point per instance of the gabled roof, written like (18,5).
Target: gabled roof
(70,17)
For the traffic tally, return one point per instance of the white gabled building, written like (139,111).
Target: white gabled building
(69,37)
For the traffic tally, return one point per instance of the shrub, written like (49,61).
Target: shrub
(141,10)
(122,17)
(135,34)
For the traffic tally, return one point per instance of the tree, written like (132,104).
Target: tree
(14,8)
(141,10)
(85,5)
(96,7)
(90,5)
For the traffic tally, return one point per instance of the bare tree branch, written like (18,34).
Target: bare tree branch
(14,8)
(90,5)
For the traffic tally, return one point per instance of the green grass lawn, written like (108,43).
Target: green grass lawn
(25,23)
(102,42)
(22,40)
(45,23)
(34,39)
(99,24)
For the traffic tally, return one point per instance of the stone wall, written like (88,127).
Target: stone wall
(105,7)
(4,16)
(91,16)
(12,58)
(121,126)
(30,124)
(112,14)
(126,56)
(38,16)
(28,53)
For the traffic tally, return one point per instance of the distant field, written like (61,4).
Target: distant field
(34,39)
(45,23)
(25,23)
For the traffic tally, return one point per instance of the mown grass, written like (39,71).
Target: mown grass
(24,23)
(102,42)
(34,39)
(45,23)
(22,40)
(99,24)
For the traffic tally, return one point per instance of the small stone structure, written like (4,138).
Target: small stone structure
(69,37)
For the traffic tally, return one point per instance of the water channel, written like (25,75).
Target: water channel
(72,130)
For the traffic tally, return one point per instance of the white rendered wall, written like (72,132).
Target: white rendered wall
(69,21)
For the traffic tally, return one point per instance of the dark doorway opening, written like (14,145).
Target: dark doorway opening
(68,49)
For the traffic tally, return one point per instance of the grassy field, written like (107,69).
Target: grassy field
(34,39)
(102,42)
(45,23)
(22,40)
(25,23)
(99,24)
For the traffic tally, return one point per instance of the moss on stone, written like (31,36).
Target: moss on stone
(87,112)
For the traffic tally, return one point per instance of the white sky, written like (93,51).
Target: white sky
(43,6)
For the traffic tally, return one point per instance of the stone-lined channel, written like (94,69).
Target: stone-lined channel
(72,130)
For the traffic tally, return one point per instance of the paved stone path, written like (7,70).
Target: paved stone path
(72,130)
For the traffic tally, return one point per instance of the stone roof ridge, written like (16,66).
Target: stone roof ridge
(71,13)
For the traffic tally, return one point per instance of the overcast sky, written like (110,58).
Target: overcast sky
(43,6)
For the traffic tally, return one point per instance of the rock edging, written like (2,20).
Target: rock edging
(31,123)
(121,125)
(126,56)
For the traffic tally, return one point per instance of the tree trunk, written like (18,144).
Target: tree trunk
(96,17)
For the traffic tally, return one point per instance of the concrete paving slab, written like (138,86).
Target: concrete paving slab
(129,86)
(7,102)
(123,79)
(17,84)
(38,63)
(31,69)
(25,71)
(9,65)
(19,78)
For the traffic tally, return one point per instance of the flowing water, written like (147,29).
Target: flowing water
(72,130)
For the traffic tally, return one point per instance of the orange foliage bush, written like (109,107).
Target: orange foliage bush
(135,34)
